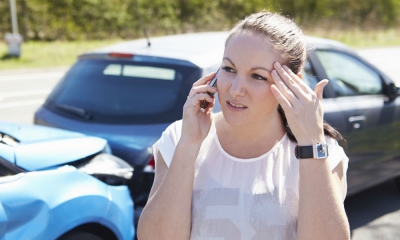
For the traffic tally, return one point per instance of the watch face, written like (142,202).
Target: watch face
(321,150)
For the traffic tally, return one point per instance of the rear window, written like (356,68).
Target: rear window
(122,91)
(157,73)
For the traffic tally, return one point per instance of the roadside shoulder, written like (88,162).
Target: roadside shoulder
(33,70)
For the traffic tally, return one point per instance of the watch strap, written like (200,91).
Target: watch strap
(318,151)
(302,152)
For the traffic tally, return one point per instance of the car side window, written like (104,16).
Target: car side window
(309,76)
(349,76)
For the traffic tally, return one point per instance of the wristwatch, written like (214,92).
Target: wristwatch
(318,151)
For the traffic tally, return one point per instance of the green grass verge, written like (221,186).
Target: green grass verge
(54,54)
(48,54)
(360,39)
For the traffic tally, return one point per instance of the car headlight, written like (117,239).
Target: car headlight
(108,168)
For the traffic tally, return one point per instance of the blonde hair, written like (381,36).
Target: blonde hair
(284,35)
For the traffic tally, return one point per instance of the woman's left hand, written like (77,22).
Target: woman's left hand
(302,106)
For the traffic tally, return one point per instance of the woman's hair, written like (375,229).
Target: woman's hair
(287,39)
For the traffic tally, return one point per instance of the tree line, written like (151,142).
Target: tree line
(101,19)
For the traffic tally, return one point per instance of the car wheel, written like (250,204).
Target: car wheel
(79,235)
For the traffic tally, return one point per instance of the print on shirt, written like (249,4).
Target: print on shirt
(223,200)
(216,215)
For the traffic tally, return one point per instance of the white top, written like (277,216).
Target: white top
(244,199)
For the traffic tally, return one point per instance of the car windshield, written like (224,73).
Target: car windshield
(122,91)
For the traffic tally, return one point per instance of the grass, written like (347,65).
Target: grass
(360,39)
(48,54)
(59,53)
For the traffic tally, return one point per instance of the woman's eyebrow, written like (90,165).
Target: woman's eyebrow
(252,69)
(262,68)
(225,58)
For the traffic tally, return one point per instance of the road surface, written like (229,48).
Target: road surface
(22,92)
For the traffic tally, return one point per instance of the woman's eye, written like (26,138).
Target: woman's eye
(228,69)
(258,77)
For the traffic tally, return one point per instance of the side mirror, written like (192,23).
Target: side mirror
(392,92)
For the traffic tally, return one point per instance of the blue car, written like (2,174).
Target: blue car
(58,184)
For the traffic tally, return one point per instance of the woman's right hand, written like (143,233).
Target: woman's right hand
(196,123)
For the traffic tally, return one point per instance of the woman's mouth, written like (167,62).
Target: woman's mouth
(235,106)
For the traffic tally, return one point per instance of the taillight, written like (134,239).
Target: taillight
(120,55)
(151,165)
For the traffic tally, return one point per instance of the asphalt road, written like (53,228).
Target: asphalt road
(22,92)
(373,214)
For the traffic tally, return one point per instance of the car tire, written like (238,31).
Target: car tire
(79,235)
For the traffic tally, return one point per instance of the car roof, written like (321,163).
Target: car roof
(202,49)
(197,48)
(326,43)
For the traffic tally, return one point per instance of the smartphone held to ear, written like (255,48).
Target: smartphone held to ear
(213,83)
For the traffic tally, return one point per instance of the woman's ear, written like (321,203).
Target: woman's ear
(300,75)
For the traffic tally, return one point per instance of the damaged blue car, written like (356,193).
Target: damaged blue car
(57,184)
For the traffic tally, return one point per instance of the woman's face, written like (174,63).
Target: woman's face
(244,80)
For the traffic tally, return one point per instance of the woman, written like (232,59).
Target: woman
(235,175)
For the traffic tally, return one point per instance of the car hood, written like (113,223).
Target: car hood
(42,147)
(131,142)
(26,133)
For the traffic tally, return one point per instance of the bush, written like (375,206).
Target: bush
(100,19)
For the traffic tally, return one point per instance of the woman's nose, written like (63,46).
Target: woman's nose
(237,87)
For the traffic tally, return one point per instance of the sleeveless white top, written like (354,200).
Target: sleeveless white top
(244,199)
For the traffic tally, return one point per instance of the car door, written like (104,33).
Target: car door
(360,110)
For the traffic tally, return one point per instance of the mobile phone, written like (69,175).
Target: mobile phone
(213,83)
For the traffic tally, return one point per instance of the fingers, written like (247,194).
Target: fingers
(285,84)
(197,99)
(297,79)
(291,91)
(280,98)
(303,106)
(202,93)
(202,89)
(204,80)
(319,88)
(209,107)
(202,96)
